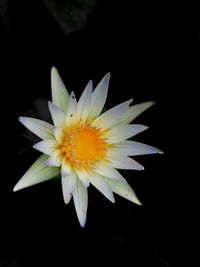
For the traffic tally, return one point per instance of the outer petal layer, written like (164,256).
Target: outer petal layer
(107,171)
(99,96)
(37,173)
(110,118)
(134,111)
(132,148)
(59,92)
(100,183)
(80,196)
(123,190)
(122,132)
(38,127)
(119,161)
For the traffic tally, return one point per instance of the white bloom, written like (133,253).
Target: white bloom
(85,146)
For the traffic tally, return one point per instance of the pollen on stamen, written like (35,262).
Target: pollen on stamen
(84,145)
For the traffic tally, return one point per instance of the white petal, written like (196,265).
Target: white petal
(72,181)
(100,183)
(132,148)
(37,173)
(123,162)
(109,172)
(120,133)
(110,118)
(84,103)
(59,92)
(99,96)
(58,116)
(69,183)
(135,111)
(65,168)
(55,159)
(59,135)
(38,127)
(72,109)
(83,176)
(65,189)
(46,146)
(80,196)
(123,190)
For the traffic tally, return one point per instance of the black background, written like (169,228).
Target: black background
(144,46)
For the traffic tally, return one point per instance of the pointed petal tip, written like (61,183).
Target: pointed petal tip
(35,146)
(112,198)
(160,152)
(17,187)
(66,201)
(107,77)
(54,72)
(82,222)
(20,119)
(145,127)
(131,100)
(152,102)
(138,202)
(53,69)
(135,200)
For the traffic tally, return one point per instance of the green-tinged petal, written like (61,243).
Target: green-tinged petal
(135,111)
(80,196)
(132,148)
(110,118)
(59,92)
(37,173)
(123,190)
(38,127)
(47,146)
(118,161)
(100,183)
(120,133)
(58,116)
(99,96)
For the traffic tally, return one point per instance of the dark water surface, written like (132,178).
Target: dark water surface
(144,51)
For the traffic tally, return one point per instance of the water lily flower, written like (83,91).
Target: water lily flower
(85,146)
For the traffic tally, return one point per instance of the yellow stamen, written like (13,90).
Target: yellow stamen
(84,145)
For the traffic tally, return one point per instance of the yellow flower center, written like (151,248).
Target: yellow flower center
(84,145)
